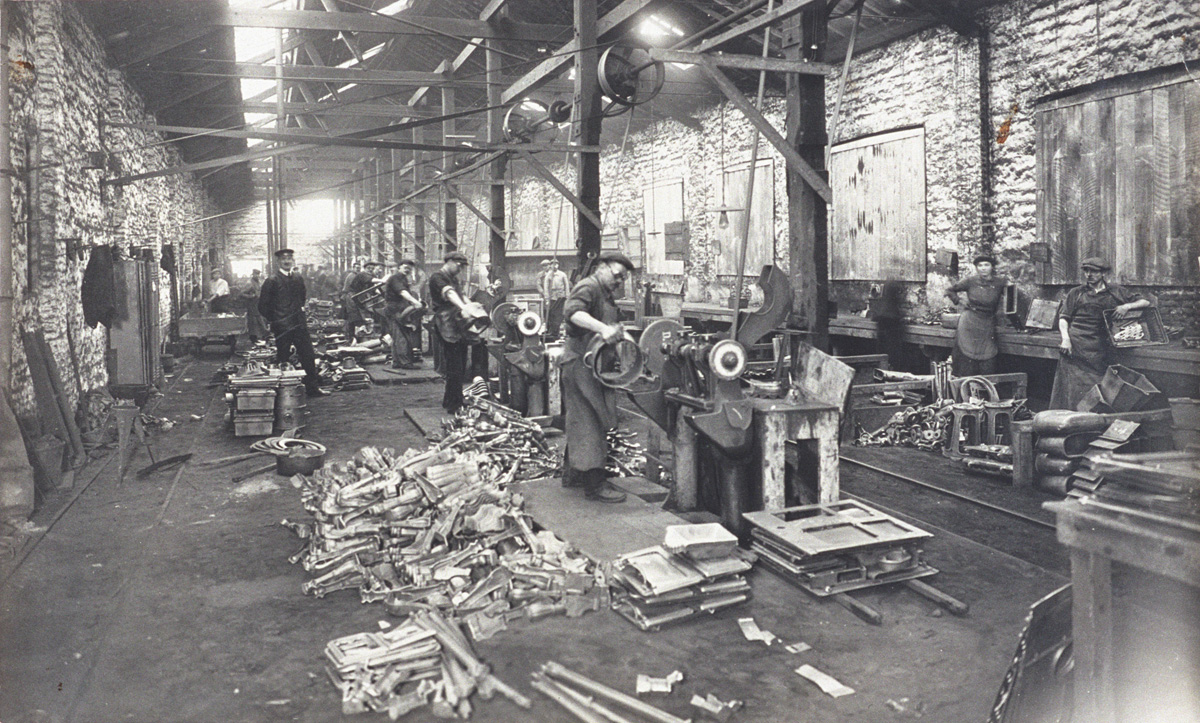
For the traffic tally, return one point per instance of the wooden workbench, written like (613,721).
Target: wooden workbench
(1098,536)
(1041,345)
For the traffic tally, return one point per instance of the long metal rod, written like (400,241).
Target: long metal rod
(558,672)
(950,493)
(736,296)
(841,91)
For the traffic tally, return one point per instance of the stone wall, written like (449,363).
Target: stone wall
(59,204)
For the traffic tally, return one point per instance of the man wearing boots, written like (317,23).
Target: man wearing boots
(281,303)
(591,408)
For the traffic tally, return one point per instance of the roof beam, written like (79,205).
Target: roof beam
(200,88)
(782,12)
(742,62)
(549,67)
(290,137)
(317,74)
(140,48)
(398,25)
(355,110)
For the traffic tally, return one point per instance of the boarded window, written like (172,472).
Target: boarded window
(662,205)
(1119,177)
(760,243)
(877,219)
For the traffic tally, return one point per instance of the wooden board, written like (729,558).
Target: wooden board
(760,244)
(661,204)
(878,225)
(1117,178)
(822,377)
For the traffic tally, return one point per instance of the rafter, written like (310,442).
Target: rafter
(371,23)
(742,62)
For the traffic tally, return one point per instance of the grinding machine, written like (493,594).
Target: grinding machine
(691,385)
(521,354)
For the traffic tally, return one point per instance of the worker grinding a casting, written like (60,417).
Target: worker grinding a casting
(975,346)
(1086,349)
(451,316)
(281,303)
(590,407)
(403,315)
(360,279)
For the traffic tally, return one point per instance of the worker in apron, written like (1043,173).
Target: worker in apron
(1086,349)
(589,406)
(975,348)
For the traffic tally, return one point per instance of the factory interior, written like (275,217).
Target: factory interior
(600,361)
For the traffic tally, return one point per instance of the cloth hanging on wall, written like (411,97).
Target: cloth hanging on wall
(167,262)
(99,290)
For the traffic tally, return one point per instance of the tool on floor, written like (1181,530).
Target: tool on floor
(163,464)
(558,672)
(715,707)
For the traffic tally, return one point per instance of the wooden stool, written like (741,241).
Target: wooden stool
(777,422)
(1022,444)
(966,418)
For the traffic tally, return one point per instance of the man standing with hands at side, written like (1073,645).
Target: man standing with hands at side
(555,287)
(281,303)
(590,407)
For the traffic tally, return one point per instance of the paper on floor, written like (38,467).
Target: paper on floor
(824,681)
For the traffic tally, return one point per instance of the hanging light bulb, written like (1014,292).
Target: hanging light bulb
(723,219)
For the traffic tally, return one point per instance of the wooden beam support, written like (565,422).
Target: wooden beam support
(356,110)
(742,62)
(808,231)
(291,137)
(793,158)
(498,169)
(316,74)
(473,209)
(586,128)
(782,12)
(200,88)
(548,68)
(139,48)
(399,25)
(592,217)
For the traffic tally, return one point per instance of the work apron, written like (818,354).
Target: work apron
(589,406)
(1090,354)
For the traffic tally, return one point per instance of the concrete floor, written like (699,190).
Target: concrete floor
(171,599)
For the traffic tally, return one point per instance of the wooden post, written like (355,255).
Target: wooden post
(587,126)
(499,167)
(683,442)
(450,209)
(804,39)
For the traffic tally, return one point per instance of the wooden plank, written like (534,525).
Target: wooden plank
(1089,196)
(1187,245)
(1106,177)
(1124,249)
(1042,175)
(372,23)
(1142,199)
(766,19)
(742,62)
(1092,619)
(1071,198)
(1159,244)
(1054,152)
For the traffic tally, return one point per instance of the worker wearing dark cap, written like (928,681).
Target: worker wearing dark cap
(404,311)
(975,348)
(451,313)
(356,313)
(589,406)
(1086,349)
(281,303)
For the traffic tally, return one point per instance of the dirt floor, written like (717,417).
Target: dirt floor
(170,598)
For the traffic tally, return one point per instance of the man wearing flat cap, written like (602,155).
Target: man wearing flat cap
(404,311)
(591,408)
(451,316)
(1086,349)
(356,313)
(281,303)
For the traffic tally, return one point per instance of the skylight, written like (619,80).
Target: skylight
(655,27)
(394,8)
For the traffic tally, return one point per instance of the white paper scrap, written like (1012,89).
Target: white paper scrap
(824,681)
(795,648)
(752,632)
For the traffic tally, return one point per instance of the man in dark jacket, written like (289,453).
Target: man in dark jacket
(281,303)
(403,315)
(451,313)
(356,313)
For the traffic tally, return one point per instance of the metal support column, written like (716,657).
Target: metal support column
(499,167)
(587,126)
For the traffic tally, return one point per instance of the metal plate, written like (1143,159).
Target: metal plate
(651,343)
(832,528)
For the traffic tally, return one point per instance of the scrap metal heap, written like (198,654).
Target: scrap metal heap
(440,538)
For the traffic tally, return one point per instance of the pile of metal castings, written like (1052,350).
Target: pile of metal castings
(506,436)
(923,427)
(344,373)
(626,458)
(698,569)
(425,660)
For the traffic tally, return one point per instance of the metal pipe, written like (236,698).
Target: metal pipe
(6,221)
(555,670)
(544,686)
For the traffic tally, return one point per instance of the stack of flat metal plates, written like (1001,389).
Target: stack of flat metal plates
(837,547)
(694,571)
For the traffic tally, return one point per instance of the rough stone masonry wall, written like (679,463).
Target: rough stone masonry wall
(1040,47)
(57,102)
(930,79)
(670,151)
